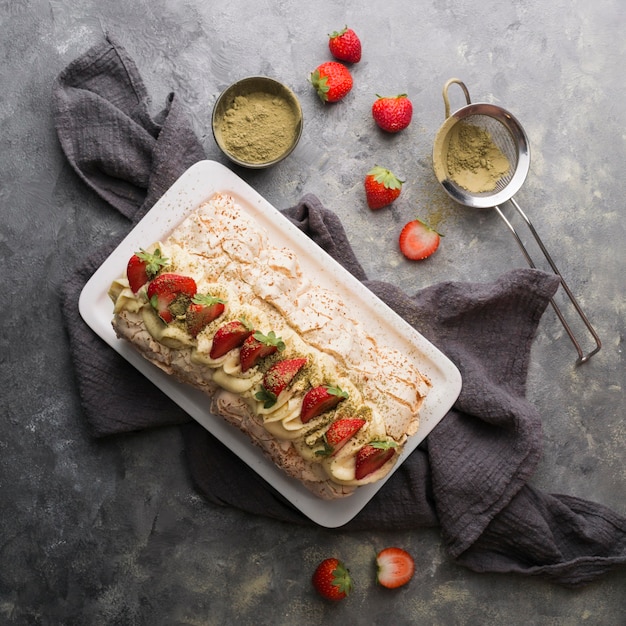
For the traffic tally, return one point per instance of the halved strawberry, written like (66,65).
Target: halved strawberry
(142,267)
(319,400)
(229,336)
(257,347)
(339,433)
(204,308)
(394,567)
(277,379)
(372,457)
(418,240)
(170,295)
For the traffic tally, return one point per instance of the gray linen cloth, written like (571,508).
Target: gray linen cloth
(470,477)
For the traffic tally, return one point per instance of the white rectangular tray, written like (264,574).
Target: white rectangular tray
(195,186)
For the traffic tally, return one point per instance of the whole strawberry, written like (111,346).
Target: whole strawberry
(345,45)
(392,114)
(332,81)
(382,187)
(332,580)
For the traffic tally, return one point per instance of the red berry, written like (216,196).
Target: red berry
(372,457)
(142,267)
(319,400)
(229,336)
(331,579)
(382,187)
(392,114)
(394,567)
(332,81)
(257,347)
(277,379)
(345,45)
(170,295)
(418,240)
(203,309)
(339,433)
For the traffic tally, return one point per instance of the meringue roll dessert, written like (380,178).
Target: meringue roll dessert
(279,356)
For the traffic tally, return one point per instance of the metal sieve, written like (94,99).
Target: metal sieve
(510,139)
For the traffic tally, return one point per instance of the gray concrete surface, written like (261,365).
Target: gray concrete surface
(112,532)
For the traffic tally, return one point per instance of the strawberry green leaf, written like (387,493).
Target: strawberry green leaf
(207,299)
(327,450)
(383,176)
(337,391)
(270,339)
(154,261)
(383,445)
(267,397)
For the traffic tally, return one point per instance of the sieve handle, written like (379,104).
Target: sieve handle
(446,100)
(582,357)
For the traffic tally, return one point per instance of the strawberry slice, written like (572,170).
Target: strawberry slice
(170,295)
(339,433)
(418,240)
(204,308)
(257,347)
(142,267)
(373,456)
(319,400)
(394,567)
(229,336)
(277,379)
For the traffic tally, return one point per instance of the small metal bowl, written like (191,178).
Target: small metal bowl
(257,122)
